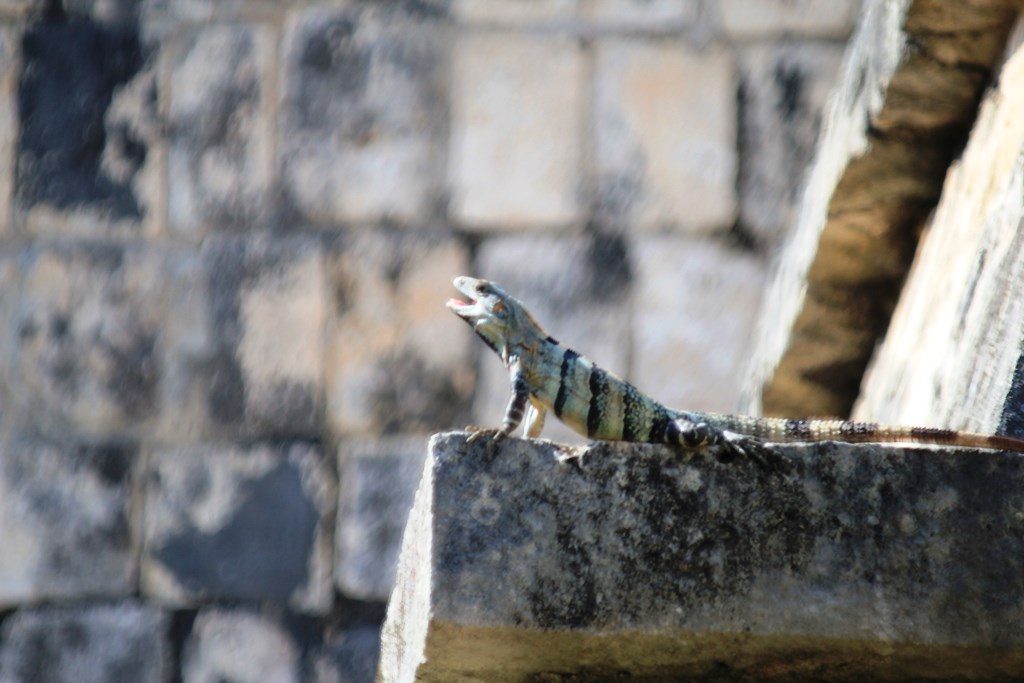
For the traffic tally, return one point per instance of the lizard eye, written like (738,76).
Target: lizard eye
(482,290)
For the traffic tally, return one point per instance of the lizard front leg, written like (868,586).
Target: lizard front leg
(513,412)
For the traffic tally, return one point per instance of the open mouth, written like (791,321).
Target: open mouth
(463,309)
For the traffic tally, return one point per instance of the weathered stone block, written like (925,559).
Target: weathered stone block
(784,87)
(249,524)
(864,562)
(220,126)
(513,12)
(396,363)
(118,643)
(268,308)
(658,15)
(364,114)
(953,354)
(694,306)
(753,18)
(64,517)
(86,335)
(513,165)
(578,289)
(87,108)
(239,646)
(665,146)
(377,483)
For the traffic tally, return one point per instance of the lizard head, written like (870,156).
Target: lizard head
(497,318)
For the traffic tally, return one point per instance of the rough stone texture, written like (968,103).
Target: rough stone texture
(658,15)
(577,288)
(247,524)
(86,106)
(749,18)
(783,90)
(268,308)
(953,352)
(220,127)
(716,290)
(65,517)
(513,165)
(9,64)
(241,647)
(363,118)
(396,362)
(862,563)
(908,92)
(86,343)
(120,643)
(377,483)
(665,141)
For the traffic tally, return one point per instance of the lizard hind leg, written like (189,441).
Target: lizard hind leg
(534,420)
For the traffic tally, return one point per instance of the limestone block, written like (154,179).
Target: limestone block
(64,518)
(15,9)
(862,563)
(86,343)
(88,162)
(112,643)
(517,108)
(784,87)
(351,657)
(513,12)
(364,114)
(239,523)
(378,480)
(753,18)
(219,120)
(665,141)
(395,360)
(239,646)
(268,307)
(659,15)
(908,91)
(694,305)
(578,288)
(953,352)
(9,62)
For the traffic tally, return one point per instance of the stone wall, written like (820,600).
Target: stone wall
(228,230)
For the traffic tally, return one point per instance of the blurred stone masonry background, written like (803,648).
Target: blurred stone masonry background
(228,231)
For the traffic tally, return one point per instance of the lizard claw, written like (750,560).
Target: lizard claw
(754,449)
(493,438)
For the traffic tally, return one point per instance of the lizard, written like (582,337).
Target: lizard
(547,376)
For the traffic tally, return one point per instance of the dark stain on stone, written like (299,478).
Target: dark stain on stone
(135,374)
(608,272)
(71,70)
(791,83)
(1011,422)
(111,461)
(226,384)
(261,553)
(411,396)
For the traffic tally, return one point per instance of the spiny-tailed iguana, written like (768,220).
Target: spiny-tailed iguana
(549,376)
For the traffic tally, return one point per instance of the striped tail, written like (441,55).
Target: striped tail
(794,430)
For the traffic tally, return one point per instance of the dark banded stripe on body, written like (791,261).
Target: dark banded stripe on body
(565,373)
(933,434)
(599,389)
(635,415)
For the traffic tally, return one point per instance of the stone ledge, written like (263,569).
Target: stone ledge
(864,562)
